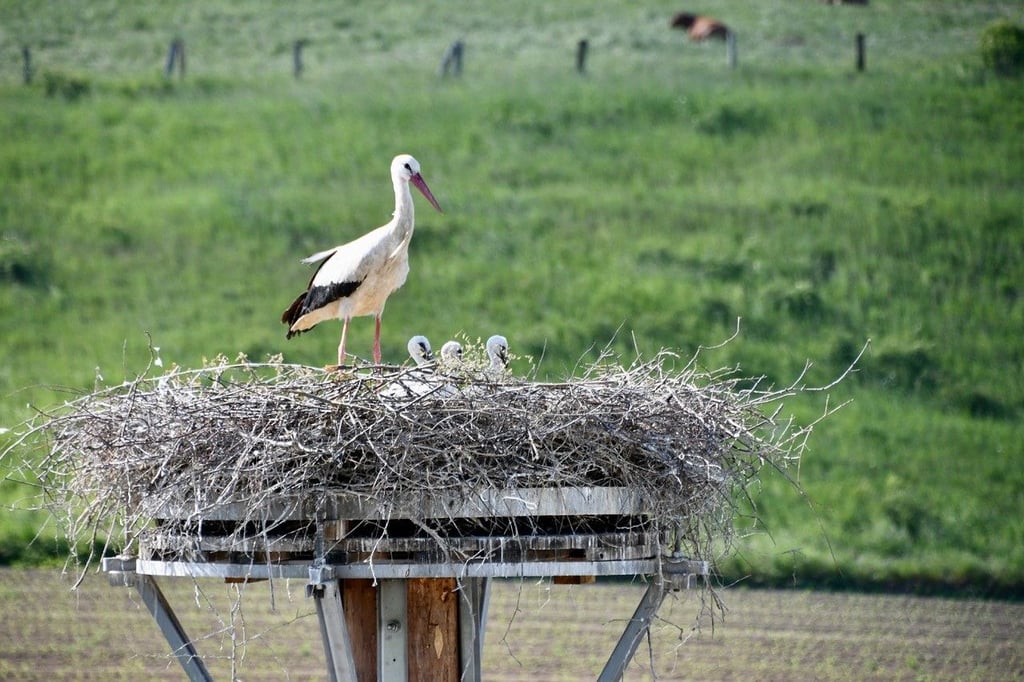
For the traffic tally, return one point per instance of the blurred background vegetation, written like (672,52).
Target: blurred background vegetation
(648,203)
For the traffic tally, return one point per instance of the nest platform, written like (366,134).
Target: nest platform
(392,490)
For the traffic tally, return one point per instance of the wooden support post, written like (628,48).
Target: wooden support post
(581,56)
(730,49)
(433,615)
(860,52)
(405,629)
(297,65)
(359,599)
(26,69)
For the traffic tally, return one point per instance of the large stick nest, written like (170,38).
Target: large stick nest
(237,432)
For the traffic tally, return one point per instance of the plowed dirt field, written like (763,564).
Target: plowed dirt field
(535,631)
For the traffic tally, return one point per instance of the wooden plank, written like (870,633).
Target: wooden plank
(359,598)
(573,579)
(482,503)
(433,614)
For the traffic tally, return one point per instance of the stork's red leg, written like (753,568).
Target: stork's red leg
(376,341)
(341,346)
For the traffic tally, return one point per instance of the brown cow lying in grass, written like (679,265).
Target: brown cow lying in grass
(700,27)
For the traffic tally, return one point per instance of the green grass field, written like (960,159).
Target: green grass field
(648,204)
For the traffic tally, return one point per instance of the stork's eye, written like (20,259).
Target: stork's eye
(408,168)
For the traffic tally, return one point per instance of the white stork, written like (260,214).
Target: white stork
(497,351)
(356,278)
(420,351)
(421,381)
(451,354)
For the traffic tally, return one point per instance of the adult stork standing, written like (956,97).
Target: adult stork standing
(356,278)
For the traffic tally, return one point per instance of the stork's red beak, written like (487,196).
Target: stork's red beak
(421,185)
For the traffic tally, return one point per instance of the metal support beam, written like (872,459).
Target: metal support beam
(474,597)
(367,630)
(121,572)
(381,570)
(392,632)
(638,626)
(337,644)
(181,645)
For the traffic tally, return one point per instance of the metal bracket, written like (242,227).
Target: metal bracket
(392,631)
(319,576)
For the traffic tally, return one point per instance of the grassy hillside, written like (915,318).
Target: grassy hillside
(648,204)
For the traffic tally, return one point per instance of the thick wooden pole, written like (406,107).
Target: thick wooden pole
(433,615)
(425,617)
(359,598)
(860,52)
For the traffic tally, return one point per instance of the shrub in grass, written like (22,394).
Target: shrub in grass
(908,366)
(728,120)
(22,262)
(1002,48)
(800,300)
(69,86)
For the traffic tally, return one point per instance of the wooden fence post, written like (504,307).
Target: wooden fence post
(297,66)
(730,48)
(860,52)
(26,56)
(451,61)
(581,56)
(176,55)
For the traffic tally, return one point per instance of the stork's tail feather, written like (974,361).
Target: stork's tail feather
(293,313)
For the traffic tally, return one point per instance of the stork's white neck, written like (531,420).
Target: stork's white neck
(404,215)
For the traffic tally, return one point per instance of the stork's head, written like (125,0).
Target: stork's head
(497,351)
(407,169)
(451,353)
(420,351)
